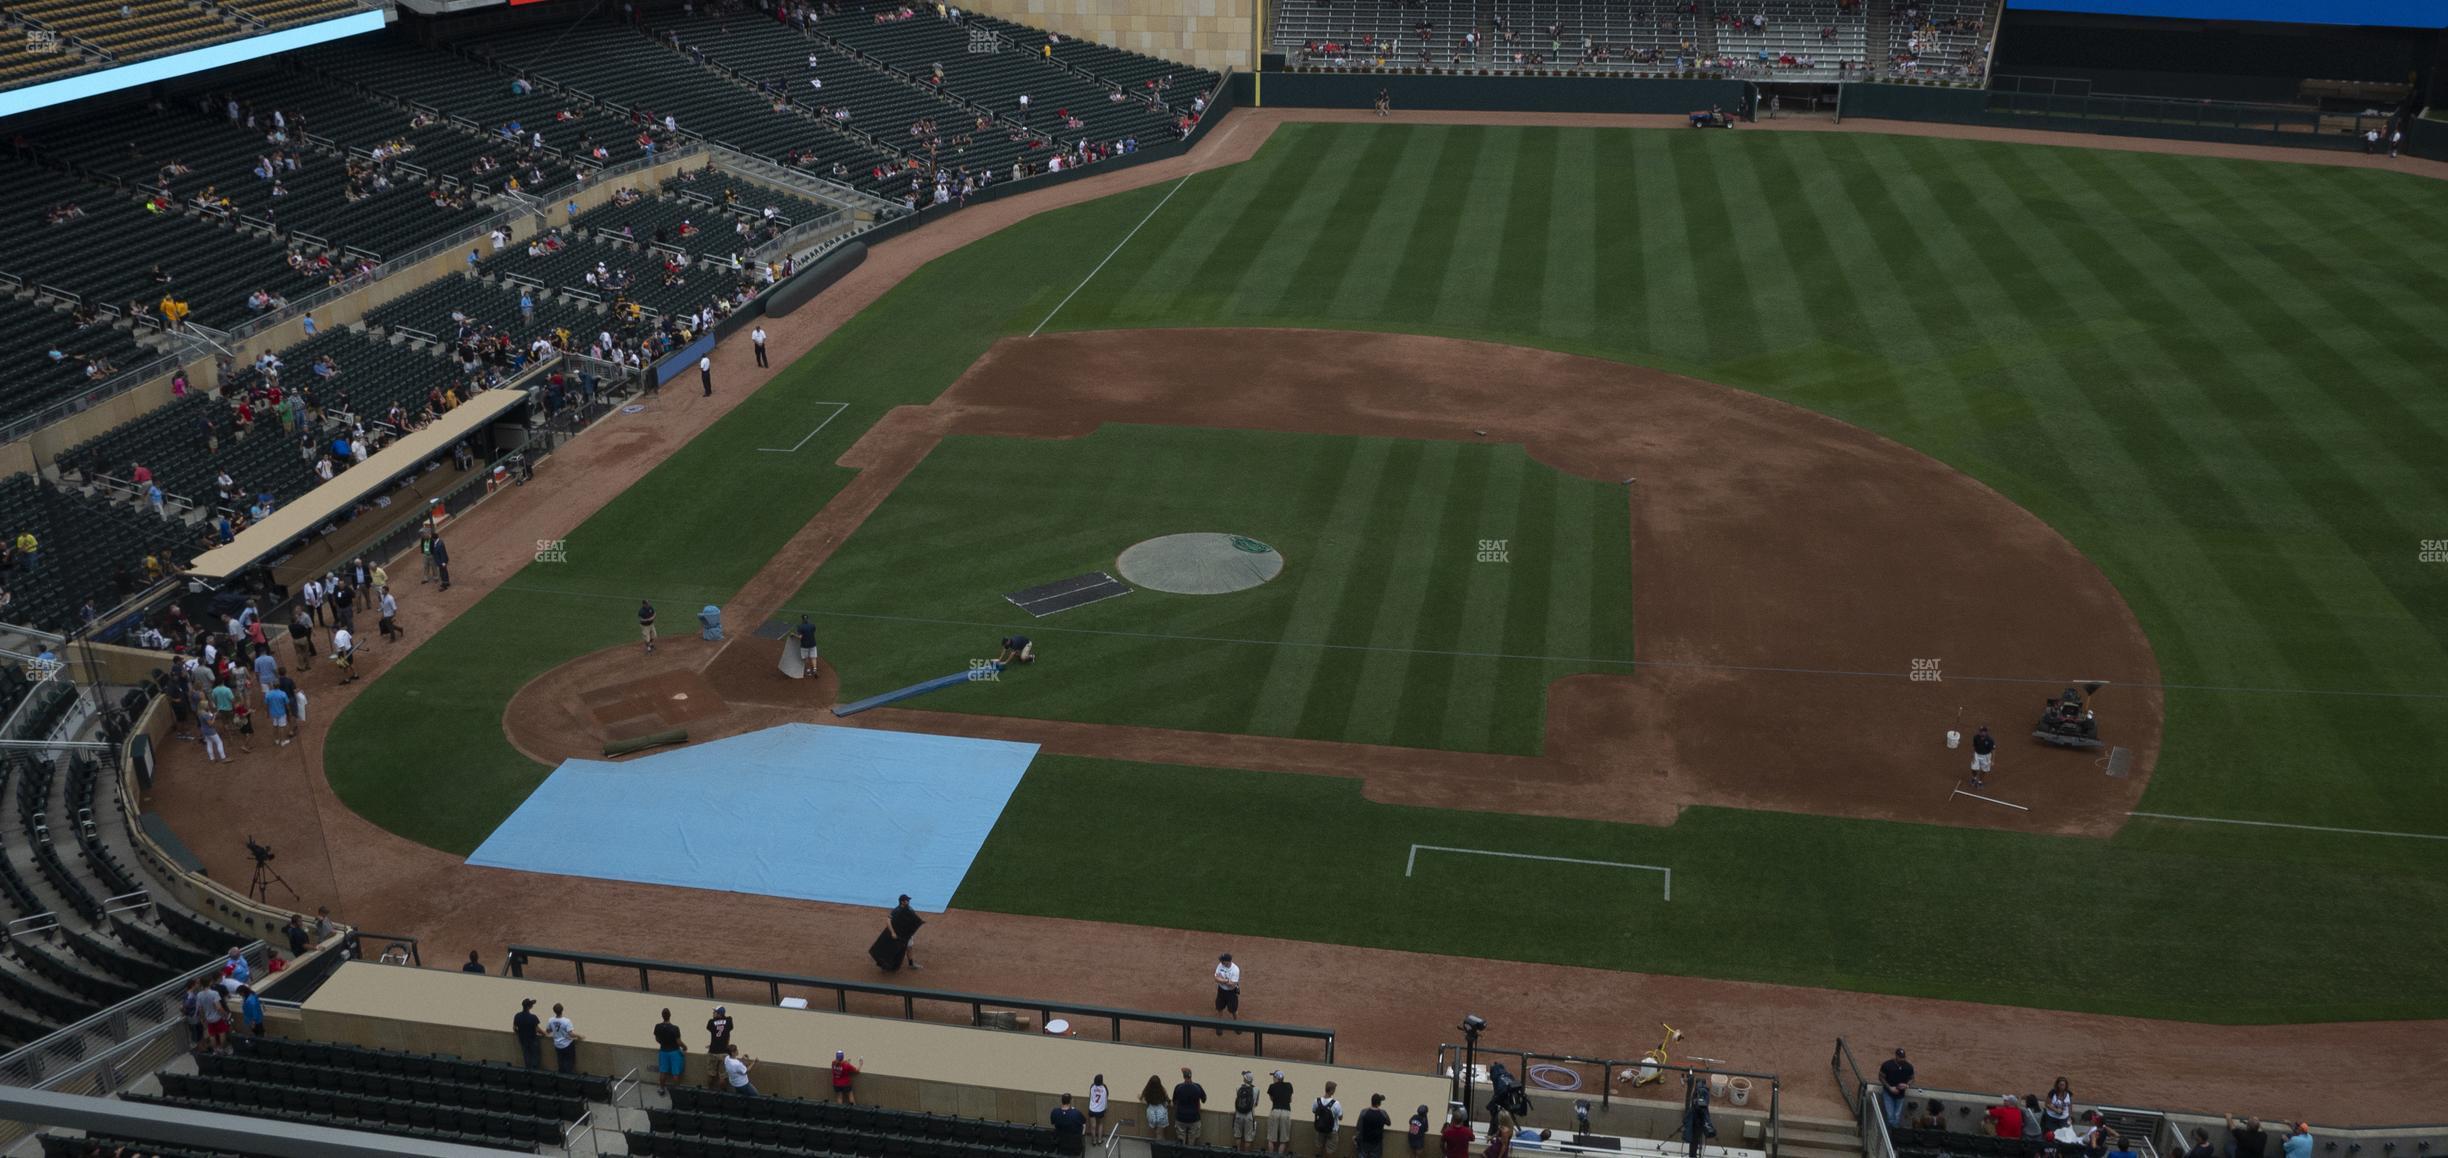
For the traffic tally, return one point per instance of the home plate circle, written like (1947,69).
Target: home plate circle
(1199,563)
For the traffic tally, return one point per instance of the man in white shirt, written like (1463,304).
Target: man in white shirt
(1326,1116)
(565,1038)
(757,337)
(1228,988)
(705,374)
(344,653)
(735,1071)
(312,593)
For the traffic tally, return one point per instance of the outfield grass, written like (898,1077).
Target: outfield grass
(2218,378)
(1898,908)
(1394,626)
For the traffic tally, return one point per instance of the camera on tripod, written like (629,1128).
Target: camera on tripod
(266,876)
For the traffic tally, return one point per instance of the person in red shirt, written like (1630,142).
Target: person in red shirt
(844,1074)
(2006,1118)
(1458,1136)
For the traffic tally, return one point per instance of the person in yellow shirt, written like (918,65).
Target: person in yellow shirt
(152,568)
(27,545)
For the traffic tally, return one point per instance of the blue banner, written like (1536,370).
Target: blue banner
(2377,13)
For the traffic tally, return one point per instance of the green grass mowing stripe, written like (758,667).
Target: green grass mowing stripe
(2035,274)
(1738,911)
(1410,544)
(1901,258)
(1337,232)
(1719,269)
(1568,304)
(1892,257)
(2159,446)
(2393,223)
(1136,282)
(1372,578)
(1516,293)
(1402,190)
(1801,278)
(1285,685)
(2334,490)
(1312,234)
(1220,280)
(1460,524)
(1619,310)
(1475,244)
(1671,260)
(1514,698)
(2385,374)
(1209,246)
(1429,244)
(1468,722)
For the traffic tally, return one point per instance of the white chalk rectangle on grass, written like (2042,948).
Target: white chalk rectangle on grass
(838,407)
(1416,849)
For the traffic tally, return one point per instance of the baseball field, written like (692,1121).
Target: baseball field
(2171,421)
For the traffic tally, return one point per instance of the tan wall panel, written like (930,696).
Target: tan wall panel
(982,1073)
(1212,34)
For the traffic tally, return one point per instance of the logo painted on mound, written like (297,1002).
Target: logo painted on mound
(1253,546)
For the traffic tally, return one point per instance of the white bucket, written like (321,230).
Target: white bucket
(1953,739)
(1717,1087)
(1740,1089)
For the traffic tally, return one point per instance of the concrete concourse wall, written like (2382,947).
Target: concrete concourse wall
(1210,34)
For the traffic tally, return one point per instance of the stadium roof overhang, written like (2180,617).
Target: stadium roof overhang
(160,68)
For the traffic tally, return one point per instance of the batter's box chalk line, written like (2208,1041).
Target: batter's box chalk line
(793,448)
(1413,862)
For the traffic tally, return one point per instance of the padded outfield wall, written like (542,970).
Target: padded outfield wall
(1555,94)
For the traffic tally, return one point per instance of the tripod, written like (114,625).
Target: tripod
(265,877)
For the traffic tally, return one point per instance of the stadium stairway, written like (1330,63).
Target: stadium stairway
(89,923)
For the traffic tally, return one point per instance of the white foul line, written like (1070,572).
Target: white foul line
(2297,827)
(838,407)
(1412,863)
(1100,266)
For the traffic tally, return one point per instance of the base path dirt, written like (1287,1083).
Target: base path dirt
(1391,1007)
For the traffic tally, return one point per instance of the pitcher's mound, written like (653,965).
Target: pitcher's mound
(1199,563)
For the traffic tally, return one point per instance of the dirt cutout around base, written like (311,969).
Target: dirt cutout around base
(1815,607)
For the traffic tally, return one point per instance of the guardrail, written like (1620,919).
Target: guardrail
(1565,1073)
(109,388)
(100,1045)
(910,998)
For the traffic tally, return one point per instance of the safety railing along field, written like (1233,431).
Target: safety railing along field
(911,1002)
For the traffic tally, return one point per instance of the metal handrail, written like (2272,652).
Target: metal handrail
(1448,1051)
(111,387)
(978,1003)
(19,1067)
(1851,1091)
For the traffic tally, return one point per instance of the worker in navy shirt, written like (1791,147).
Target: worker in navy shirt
(1070,1127)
